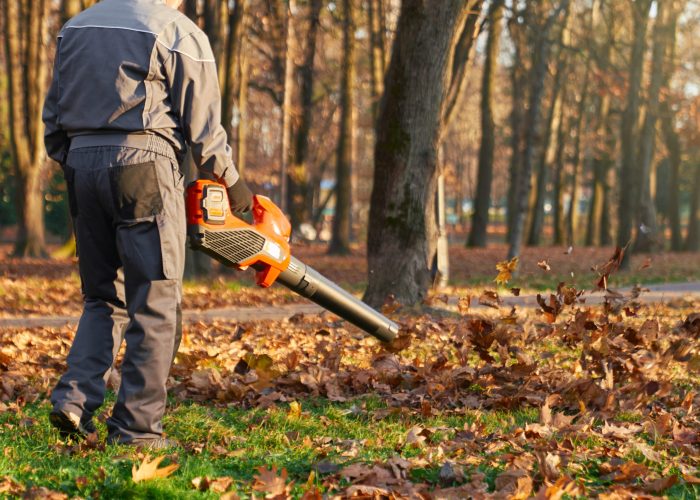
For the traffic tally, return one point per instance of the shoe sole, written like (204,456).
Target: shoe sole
(66,427)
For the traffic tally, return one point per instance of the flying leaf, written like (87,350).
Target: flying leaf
(149,469)
(505,270)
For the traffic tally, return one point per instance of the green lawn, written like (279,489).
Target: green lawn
(233,442)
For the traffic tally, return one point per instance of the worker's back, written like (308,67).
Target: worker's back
(110,68)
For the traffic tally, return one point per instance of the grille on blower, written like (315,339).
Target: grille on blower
(234,245)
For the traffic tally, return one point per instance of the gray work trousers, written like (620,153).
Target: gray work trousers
(129,217)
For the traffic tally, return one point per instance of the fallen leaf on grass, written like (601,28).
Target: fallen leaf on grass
(273,485)
(514,483)
(149,469)
(43,493)
(661,484)
(294,410)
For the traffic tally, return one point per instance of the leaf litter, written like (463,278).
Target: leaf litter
(614,388)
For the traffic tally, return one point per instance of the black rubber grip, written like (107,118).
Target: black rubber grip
(309,283)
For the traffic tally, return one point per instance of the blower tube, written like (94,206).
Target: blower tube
(309,283)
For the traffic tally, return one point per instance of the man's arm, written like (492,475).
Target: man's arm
(196,97)
(55,138)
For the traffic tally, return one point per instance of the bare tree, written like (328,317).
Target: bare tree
(629,186)
(538,73)
(482,203)
(26,27)
(340,242)
(299,182)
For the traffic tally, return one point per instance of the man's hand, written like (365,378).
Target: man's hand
(239,197)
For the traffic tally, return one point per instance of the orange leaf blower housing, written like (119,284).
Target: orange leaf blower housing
(264,246)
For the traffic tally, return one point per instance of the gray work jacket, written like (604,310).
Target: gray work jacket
(135,67)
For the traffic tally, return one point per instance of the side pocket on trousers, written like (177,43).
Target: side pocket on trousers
(136,191)
(69,175)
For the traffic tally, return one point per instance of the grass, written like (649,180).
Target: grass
(234,442)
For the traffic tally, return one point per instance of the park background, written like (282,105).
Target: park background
(447,161)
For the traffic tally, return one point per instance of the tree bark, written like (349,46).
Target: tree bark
(340,241)
(673,146)
(299,185)
(538,74)
(648,237)
(70,8)
(402,230)
(692,242)
(558,181)
(549,145)
(375,19)
(629,185)
(286,118)
(482,203)
(573,215)
(519,95)
(27,67)
(233,74)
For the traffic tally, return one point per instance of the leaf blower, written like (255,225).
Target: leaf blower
(264,246)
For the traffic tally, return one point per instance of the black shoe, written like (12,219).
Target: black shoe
(69,424)
(158,443)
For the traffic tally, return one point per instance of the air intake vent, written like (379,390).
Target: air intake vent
(234,245)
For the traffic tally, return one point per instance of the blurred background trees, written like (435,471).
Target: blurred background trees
(552,122)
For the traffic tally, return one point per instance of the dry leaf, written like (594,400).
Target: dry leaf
(269,482)
(505,270)
(149,469)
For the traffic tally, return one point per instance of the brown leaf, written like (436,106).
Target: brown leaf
(464,304)
(661,484)
(490,299)
(149,469)
(269,482)
(544,265)
(505,270)
(220,484)
(514,483)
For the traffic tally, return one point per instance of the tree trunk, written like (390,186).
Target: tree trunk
(70,8)
(558,182)
(538,73)
(517,114)
(551,125)
(673,146)
(233,68)
(242,130)
(629,185)
(286,118)
(692,242)
(648,237)
(402,231)
(375,19)
(482,203)
(340,241)
(27,67)
(299,186)
(573,215)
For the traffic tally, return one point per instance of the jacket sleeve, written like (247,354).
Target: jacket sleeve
(194,90)
(55,138)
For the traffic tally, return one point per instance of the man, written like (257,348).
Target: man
(134,85)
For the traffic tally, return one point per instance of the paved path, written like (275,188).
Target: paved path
(655,294)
